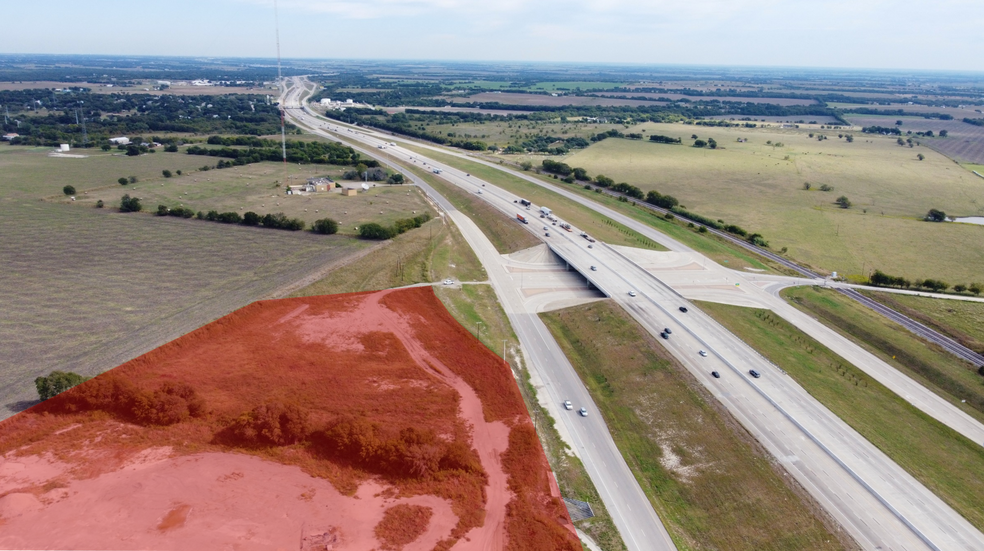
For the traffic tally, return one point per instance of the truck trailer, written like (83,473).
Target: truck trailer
(522,218)
(544,212)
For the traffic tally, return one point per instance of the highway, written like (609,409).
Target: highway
(631,511)
(874,499)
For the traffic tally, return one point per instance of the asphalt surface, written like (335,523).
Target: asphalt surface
(874,499)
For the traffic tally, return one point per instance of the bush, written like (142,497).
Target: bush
(133,179)
(935,215)
(170,403)
(325,226)
(123,181)
(279,221)
(57,382)
(171,148)
(162,210)
(271,424)
(700,143)
(166,173)
(230,218)
(554,167)
(395,179)
(130,204)
(68,190)
(843,202)
(373,230)
(251,219)
(100,204)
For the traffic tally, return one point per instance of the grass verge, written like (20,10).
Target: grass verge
(477,304)
(597,225)
(938,370)
(959,319)
(430,253)
(712,485)
(948,464)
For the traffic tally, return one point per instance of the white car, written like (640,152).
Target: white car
(594,268)
(568,405)
(702,353)
(632,293)
(584,412)
(449,282)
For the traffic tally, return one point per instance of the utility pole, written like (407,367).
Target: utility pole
(282,107)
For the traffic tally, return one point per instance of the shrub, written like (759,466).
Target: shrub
(251,219)
(68,190)
(271,424)
(935,215)
(130,204)
(170,403)
(123,181)
(373,230)
(843,202)
(100,204)
(166,173)
(162,210)
(396,179)
(700,143)
(325,226)
(702,229)
(171,148)
(133,179)
(56,382)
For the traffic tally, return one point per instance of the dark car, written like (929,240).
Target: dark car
(664,335)
(683,309)
(715,374)
(667,331)
(754,373)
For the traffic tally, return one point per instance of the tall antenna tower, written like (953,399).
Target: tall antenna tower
(283,126)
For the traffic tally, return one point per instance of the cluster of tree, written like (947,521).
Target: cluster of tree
(180,212)
(376,231)
(554,167)
(130,204)
(297,152)
(272,424)
(169,403)
(109,115)
(605,135)
(629,190)
(407,453)
(57,382)
(843,202)
(662,201)
(935,215)
(664,139)
(546,144)
(897,113)
(278,221)
(975,122)
(881,279)
(882,130)
(711,143)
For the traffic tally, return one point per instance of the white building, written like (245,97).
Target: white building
(120,141)
(326,101)
(64,148)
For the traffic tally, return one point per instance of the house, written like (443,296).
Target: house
(119,141)
(319,185)
(9,137)
(326,101)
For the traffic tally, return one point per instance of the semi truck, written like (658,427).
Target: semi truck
(524,202)
(544,212)
(522,218)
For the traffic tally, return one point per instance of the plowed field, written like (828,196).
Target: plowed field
(344,422)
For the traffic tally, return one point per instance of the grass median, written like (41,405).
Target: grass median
(947,463)
(712,485)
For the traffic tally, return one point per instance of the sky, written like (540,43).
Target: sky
(897,34)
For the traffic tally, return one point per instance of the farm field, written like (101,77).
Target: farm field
(144,88)
(503,133)
(541,99)
(761,188)
(425,440)
(948,464)
(255,188)
(970,111)
(86,289)
(965,142)
(712,485)
(675,97)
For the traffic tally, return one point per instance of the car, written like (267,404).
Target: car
(683,309)
(594,268)
(449,282)
(667,331)
(547,234)
(568,404)
(546,228)
(632,293)
(590,246)
(584,412)
(715,374)
(702,353)
(664,335)
(754,373)
(479,192)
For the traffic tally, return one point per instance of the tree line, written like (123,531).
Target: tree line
(881,279)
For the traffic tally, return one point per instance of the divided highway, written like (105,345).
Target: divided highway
(875,500)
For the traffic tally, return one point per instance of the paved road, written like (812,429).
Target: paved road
(629,507)
(874,499)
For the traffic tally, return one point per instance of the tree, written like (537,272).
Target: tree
(975,288)
(162,210)
(56,383)
(898,123)
(843,202)
(807,186)
(251,219)
(123,181)
(943,133)
(712,143)
(395,179)
(373,230)
(935,215)
(106,147)
(325,226)
(132,150)
(133,179)
(700,143)
(171,148)
(526,165)
(920,156)
(100,204)
(849,138)
(959,287)
(178,173)
(166,173)
(130,204)
(68,190)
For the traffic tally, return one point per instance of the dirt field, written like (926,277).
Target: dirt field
(774,101)
(760,188)
(87,289)
(540,99)
(357,421)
